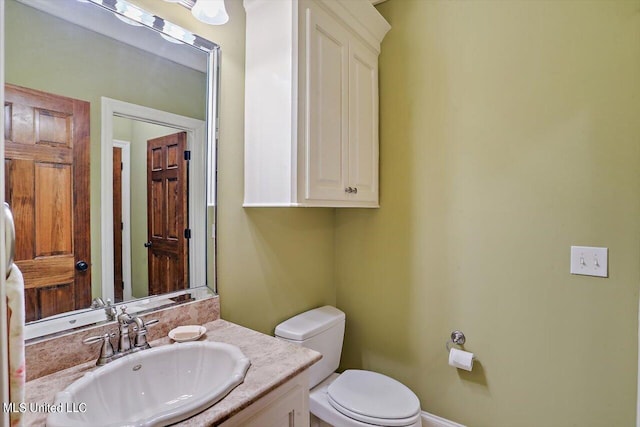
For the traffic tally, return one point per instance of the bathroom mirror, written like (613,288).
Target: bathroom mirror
(150,88)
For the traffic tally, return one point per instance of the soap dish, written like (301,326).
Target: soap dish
(187,333)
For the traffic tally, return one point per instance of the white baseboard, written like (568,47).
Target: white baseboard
(430,420)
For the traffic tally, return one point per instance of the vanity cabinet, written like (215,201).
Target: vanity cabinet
(311,103)
(286,406)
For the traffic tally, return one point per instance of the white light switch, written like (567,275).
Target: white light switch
(590,261)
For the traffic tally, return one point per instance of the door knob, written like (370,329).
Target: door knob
(82,266)
(148,244)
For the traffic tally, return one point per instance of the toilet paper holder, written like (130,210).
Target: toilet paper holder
(457,337)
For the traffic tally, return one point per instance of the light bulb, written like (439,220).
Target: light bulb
(210,12)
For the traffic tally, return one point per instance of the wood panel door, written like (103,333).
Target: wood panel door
(47,186)
(167,213)
(118,280)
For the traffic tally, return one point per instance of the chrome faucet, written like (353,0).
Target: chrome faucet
(124,320)
(109,308)
(110,311)
(127,343)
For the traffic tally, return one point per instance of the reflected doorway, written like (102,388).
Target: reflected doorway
(136,117)
(150,209)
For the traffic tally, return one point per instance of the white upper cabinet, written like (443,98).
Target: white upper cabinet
(311,103)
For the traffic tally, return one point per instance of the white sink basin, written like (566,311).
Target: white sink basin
(159,386)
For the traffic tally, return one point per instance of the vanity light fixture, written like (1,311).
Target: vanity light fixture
(186,3)
(210,12)
(135,16)
(129,11)
(131,14)
(175,34)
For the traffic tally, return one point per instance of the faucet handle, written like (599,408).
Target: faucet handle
(140,331)
(123,318)
(106,351)
(97,303)
(92,340)
(98,338)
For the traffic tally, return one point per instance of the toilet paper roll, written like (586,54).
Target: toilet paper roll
(461,359)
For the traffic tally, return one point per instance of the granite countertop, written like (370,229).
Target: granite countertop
(273,362)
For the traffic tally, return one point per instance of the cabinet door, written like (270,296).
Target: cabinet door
(363,122)
(326,135)
(286,406)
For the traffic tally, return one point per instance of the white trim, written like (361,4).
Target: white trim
(196,131)
(363,18)
(430,420)
(125,146)
(213,126)
(271,205)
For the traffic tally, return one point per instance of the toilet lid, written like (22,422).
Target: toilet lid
(369,396)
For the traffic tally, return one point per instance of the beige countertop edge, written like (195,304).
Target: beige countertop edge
(273,362)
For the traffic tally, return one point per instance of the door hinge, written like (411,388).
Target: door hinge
(121,166)
(187,233)
(187,155)
(122,226)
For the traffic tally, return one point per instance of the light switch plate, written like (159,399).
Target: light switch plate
(590,261)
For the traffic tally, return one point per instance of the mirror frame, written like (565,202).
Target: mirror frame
(210,131)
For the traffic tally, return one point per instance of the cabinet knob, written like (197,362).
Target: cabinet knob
(351,190)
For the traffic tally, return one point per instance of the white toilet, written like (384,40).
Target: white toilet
(354,398)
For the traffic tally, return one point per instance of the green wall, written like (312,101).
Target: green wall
(49,54)
(509,132)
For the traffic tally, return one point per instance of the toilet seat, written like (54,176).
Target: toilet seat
(373,398)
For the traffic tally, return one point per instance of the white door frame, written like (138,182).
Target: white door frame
(197,143)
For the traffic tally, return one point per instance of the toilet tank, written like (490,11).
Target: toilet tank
(320,329)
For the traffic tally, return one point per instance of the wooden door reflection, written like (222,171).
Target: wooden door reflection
(47,187)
